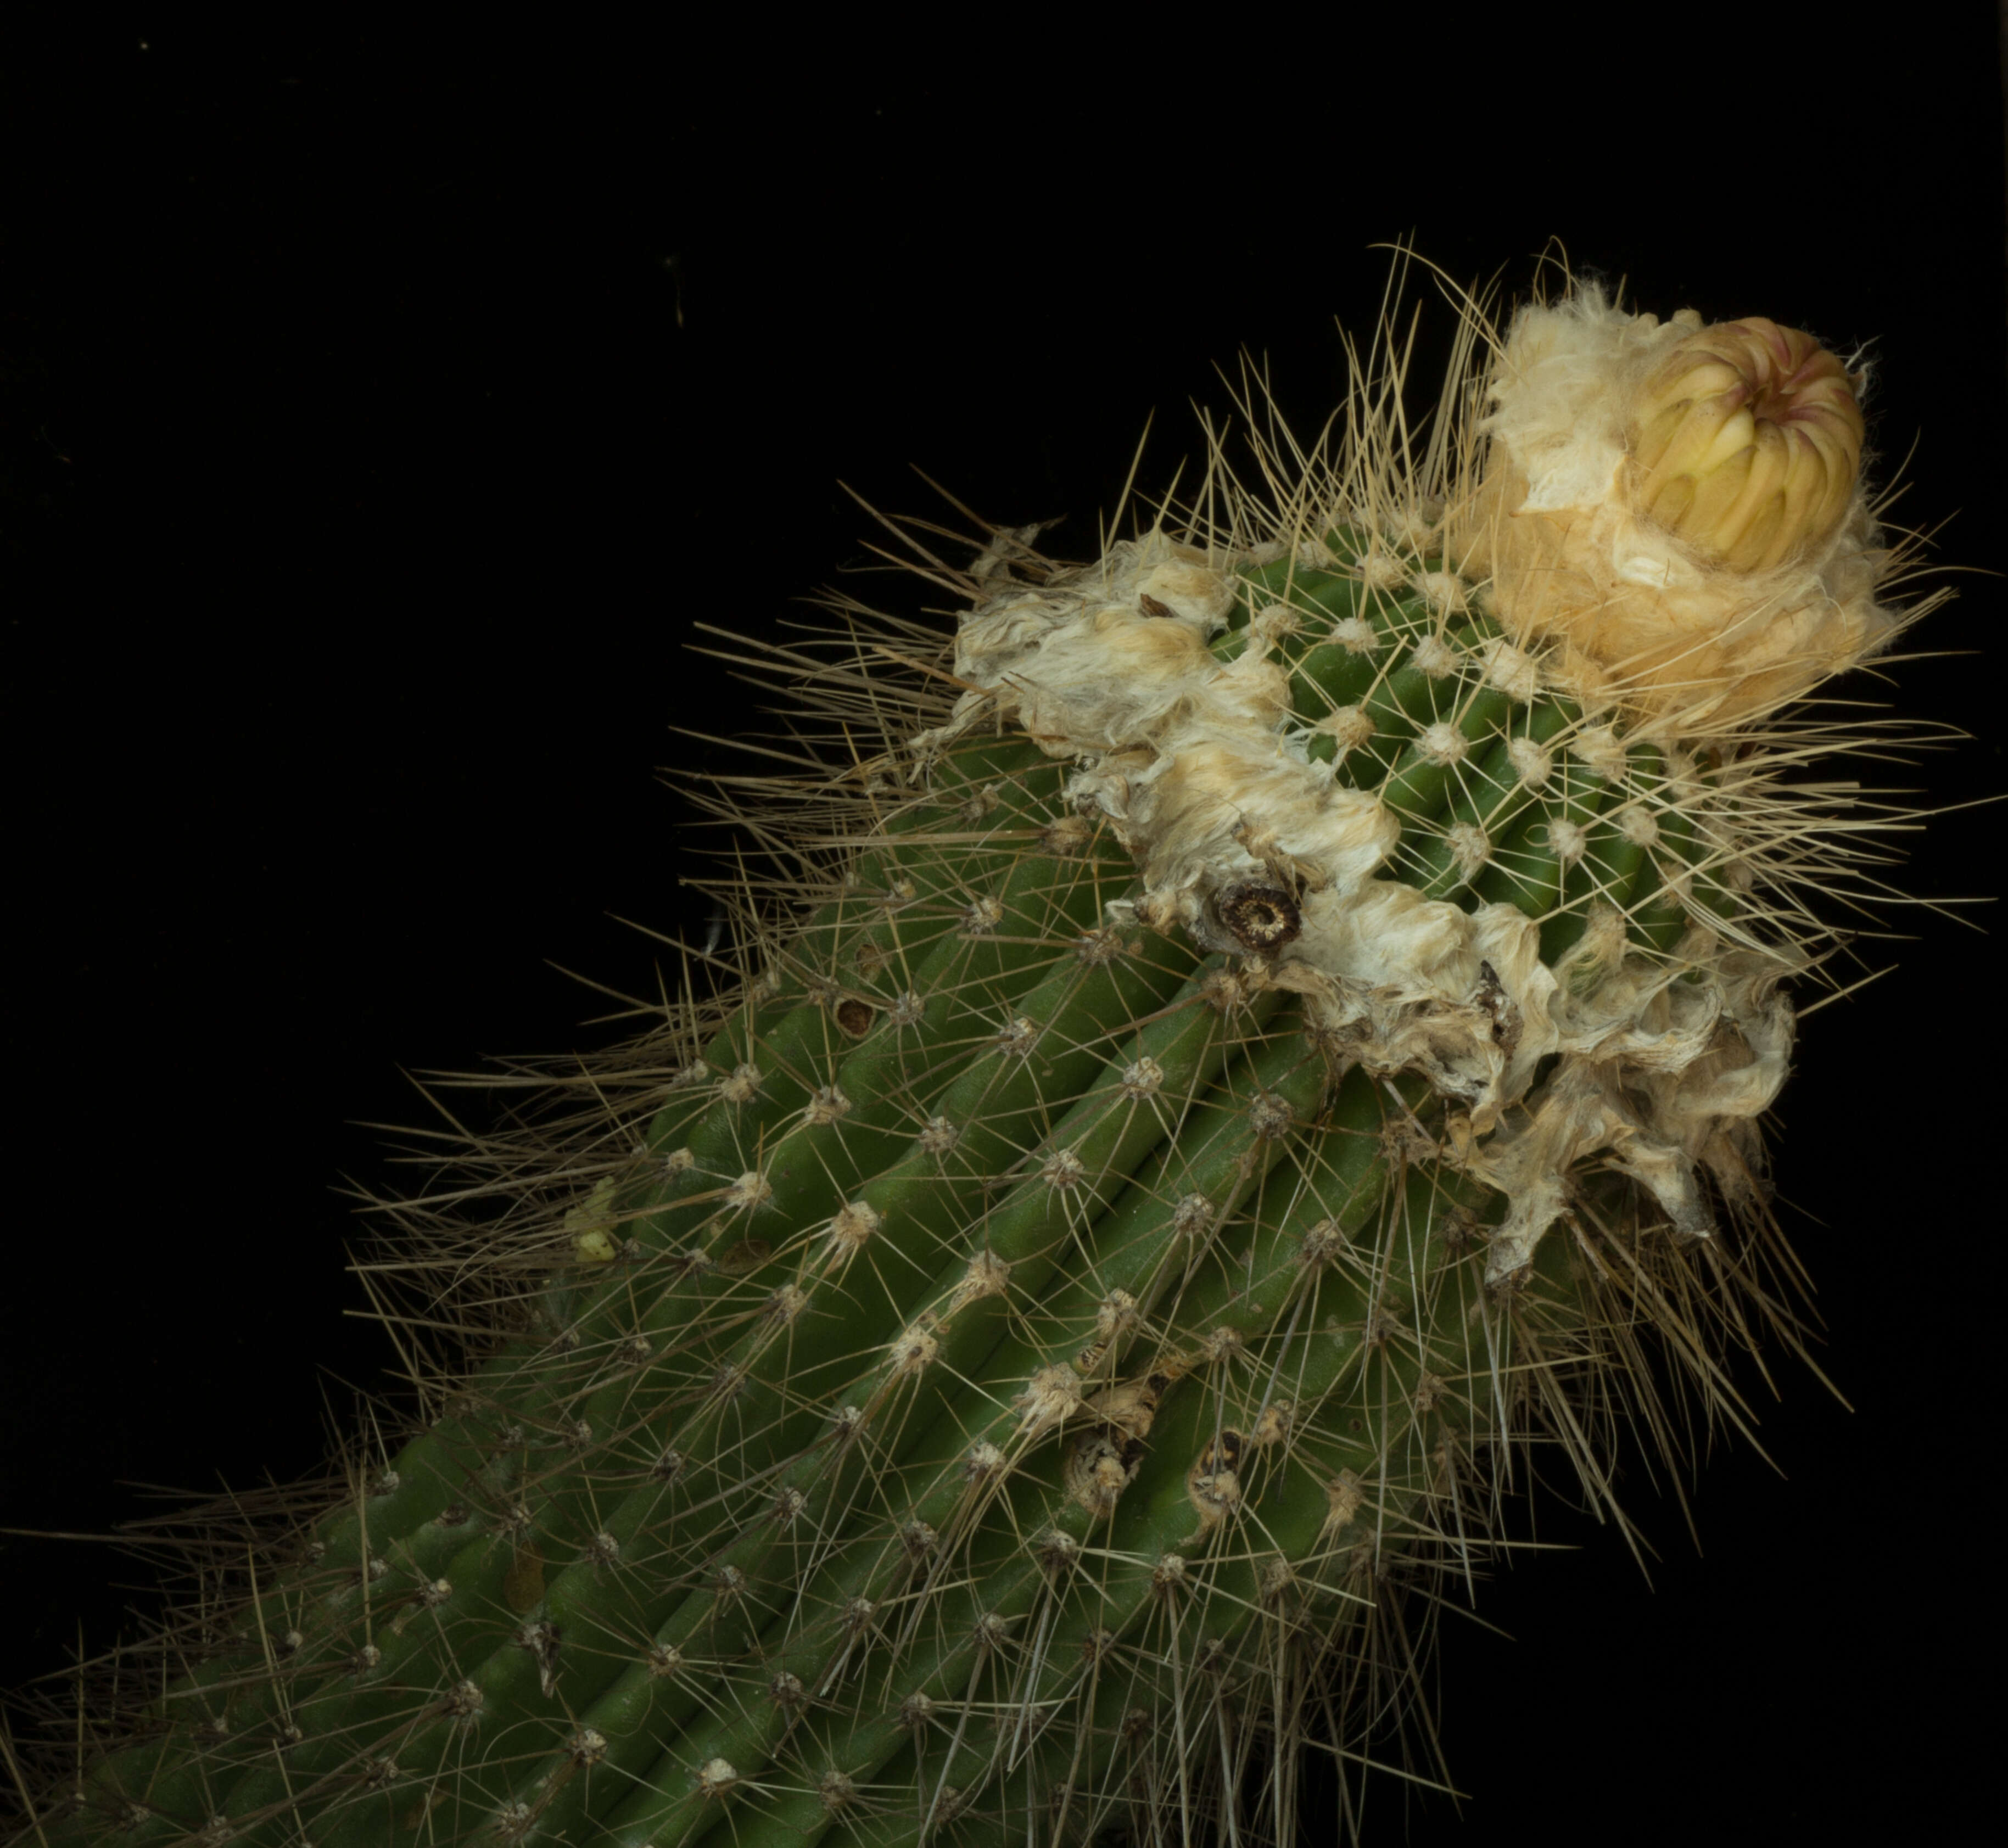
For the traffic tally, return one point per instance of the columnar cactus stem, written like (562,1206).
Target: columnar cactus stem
(1256,1056)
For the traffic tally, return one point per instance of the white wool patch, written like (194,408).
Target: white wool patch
(1470,848)
(1515,673)
(1206,777)
(1349,727)
(1354,633)
(1442,743)
(1639,826)
(1433,656)
(1531,762)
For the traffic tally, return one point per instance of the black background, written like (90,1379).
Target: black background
(379,417)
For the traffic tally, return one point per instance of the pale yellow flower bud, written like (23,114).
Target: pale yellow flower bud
(1746,440)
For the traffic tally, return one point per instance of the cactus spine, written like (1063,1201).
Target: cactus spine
(1273,1028)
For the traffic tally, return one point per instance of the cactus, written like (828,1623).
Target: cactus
(1260,1054)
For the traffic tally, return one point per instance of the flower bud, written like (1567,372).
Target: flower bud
(1746,440)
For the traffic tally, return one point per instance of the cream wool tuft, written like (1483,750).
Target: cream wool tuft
(1643,616)
(1197,763)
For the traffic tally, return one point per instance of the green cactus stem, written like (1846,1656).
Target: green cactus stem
(1272,1035)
